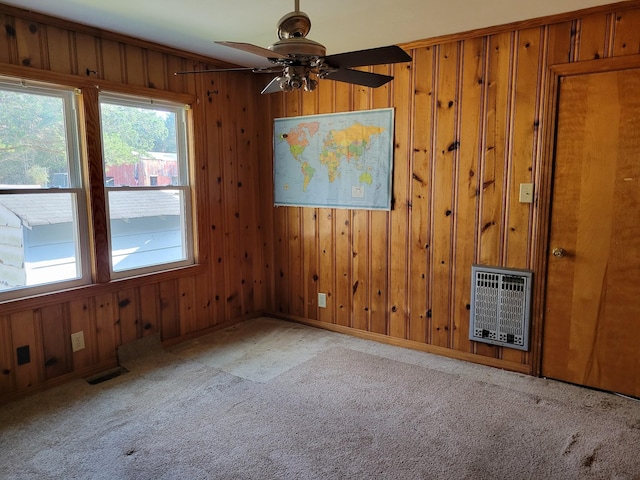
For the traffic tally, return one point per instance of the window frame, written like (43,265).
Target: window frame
(184,186)
(76,187)
(91,196)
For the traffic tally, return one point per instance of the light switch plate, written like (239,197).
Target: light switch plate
(322,300)
(526,193)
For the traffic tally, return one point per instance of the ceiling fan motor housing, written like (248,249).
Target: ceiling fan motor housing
(298,47)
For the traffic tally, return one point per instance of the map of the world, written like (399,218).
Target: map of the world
(341,160)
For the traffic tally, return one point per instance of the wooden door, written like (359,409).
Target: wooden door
(592,316)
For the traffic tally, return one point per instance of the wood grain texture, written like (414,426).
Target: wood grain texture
(593,292)
(55,340)
(267,259)
(7,361)
(470,118)
(468,184)
(230,281)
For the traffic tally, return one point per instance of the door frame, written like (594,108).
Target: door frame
(544,184)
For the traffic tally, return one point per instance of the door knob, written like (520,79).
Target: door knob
(558,252)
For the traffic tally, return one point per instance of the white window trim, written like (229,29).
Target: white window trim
(187,227)
(76,187)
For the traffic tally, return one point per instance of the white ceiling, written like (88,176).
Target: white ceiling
(340,25)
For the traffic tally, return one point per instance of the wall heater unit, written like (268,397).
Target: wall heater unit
(500,306)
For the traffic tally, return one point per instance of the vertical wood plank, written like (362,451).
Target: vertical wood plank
(128,315)
(343,290)
(23,333)
(156,70)
(187,305)
(112,65)
(8,48)
(135,65)
(216,124)
(82,319)
(560,47)
(295,244)
(360,228)
(7,361)
(626,40)
(420,199)
(265,174)
(105,327)
(56,340)
(473,77)
(523,135)
(86,60)
(379,225)
(203,302)
(178,83)
(493,171)
(149,315)
(446,153)
(310,233)
(280,245)
(360,262)
(169,324)
(495,148)
(398,292)
(326,227)
(593,36)
(59,47)
(28,41)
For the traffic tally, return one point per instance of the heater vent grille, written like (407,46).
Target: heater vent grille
(500,306)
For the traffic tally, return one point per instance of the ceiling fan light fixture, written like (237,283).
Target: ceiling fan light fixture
(297,78)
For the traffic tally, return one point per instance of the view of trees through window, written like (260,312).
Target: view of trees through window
(131,133)
(33,147)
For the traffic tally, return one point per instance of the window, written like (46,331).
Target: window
(146,184)
(44,229)
(43,220)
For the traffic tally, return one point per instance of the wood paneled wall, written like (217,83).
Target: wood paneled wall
(226,286)
(470,112)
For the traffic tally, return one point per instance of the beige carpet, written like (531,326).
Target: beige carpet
(272,399)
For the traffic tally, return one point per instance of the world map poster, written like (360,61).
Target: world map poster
(340,160)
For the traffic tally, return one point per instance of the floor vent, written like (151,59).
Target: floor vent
(108,375)
(500,306)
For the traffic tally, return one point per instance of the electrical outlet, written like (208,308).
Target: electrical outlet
(23,355)
(77,341)
(322,300)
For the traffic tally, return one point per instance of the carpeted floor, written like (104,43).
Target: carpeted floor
(272,399)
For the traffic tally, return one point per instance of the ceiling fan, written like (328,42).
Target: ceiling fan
(301,62)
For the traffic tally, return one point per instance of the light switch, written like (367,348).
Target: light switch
(322,300)
(526,193)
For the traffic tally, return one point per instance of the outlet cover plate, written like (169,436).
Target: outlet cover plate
(77,341)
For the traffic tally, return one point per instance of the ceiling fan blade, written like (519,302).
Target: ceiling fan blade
(256,50)
(372,56)
(358,77)
(235,69)
(273,86)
